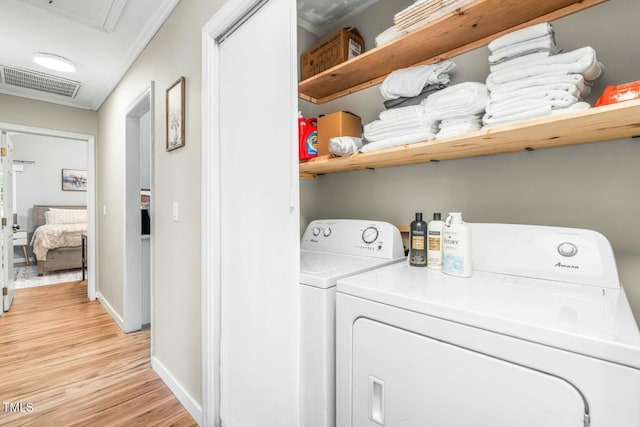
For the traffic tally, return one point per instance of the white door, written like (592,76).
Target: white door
(255,209)
(6,213)
(403,378)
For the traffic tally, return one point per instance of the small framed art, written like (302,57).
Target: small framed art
(175,115)
(74,180)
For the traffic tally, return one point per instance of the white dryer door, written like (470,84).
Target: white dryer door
(404,379)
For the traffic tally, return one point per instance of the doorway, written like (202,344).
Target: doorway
(15,129)
(138,251)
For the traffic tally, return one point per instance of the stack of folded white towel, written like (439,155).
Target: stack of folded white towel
(423,12)
(530,79)
(406,121)
(399,126)
(458,108)
(409,86)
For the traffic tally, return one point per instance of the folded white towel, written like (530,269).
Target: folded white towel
(444,7)
(533,92)
(578,106)
(528,33)
(385,130)
(397,141)
(541,44)
(585,64)
(520,106)
(553,81)
(388,35)
(539,112)
(463,99)
(586,54)
(524,59)
(345,145)
(476,118)
(561,97)
(530,114)
(395,113)
(408,82)
(459,126)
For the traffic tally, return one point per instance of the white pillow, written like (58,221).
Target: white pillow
(65,216)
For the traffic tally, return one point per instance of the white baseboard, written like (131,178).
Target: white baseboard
(193,407)
(114,315)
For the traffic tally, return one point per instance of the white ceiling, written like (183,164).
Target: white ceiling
(102,37)
(320,16)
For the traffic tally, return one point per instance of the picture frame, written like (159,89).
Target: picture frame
(74,180)
(175,114)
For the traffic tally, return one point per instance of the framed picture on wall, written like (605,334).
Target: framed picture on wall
(175,115)
(74,180)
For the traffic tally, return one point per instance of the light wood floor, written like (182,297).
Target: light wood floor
(67,360)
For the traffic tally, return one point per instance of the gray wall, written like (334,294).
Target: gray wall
(591,186)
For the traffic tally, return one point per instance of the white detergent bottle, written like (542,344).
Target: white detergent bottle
(456,246)
(434,242)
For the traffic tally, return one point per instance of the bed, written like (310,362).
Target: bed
(57,245)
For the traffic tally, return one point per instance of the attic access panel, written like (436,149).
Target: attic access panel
(100,14)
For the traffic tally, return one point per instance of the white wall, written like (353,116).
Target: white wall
(175,51)
(591,186)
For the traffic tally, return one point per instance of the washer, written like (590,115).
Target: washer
(541,335)
(331,250)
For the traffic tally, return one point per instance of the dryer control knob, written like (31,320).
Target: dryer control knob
(370,235)
(567,249)
(315,231)
(326,232)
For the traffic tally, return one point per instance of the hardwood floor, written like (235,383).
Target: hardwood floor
(64,362)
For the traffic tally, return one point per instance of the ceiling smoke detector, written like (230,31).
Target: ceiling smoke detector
(54,62)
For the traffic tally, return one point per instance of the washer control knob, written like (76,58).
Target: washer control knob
(370,235)
(326,232)
(315,231)
(567,249)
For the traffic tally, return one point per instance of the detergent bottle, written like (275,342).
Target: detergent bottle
(456,246)
(307,137)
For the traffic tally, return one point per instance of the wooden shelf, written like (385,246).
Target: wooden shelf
(467,28)
(611,122)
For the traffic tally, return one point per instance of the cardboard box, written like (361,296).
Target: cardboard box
(341,123)
(339,47)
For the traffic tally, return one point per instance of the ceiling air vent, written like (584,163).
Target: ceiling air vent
(41,82)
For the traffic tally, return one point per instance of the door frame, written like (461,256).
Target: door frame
(132,253)
(91,190)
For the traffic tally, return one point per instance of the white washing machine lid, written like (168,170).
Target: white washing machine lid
(323,269)
(589,320)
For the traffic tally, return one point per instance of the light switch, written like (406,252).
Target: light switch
(176,215)
(104,210)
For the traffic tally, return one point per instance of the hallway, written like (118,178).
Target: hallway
(63,361)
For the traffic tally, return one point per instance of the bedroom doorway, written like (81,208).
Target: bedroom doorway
(21,131)
(138,238)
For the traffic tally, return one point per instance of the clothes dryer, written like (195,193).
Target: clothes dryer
(542,334)
(330,250)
